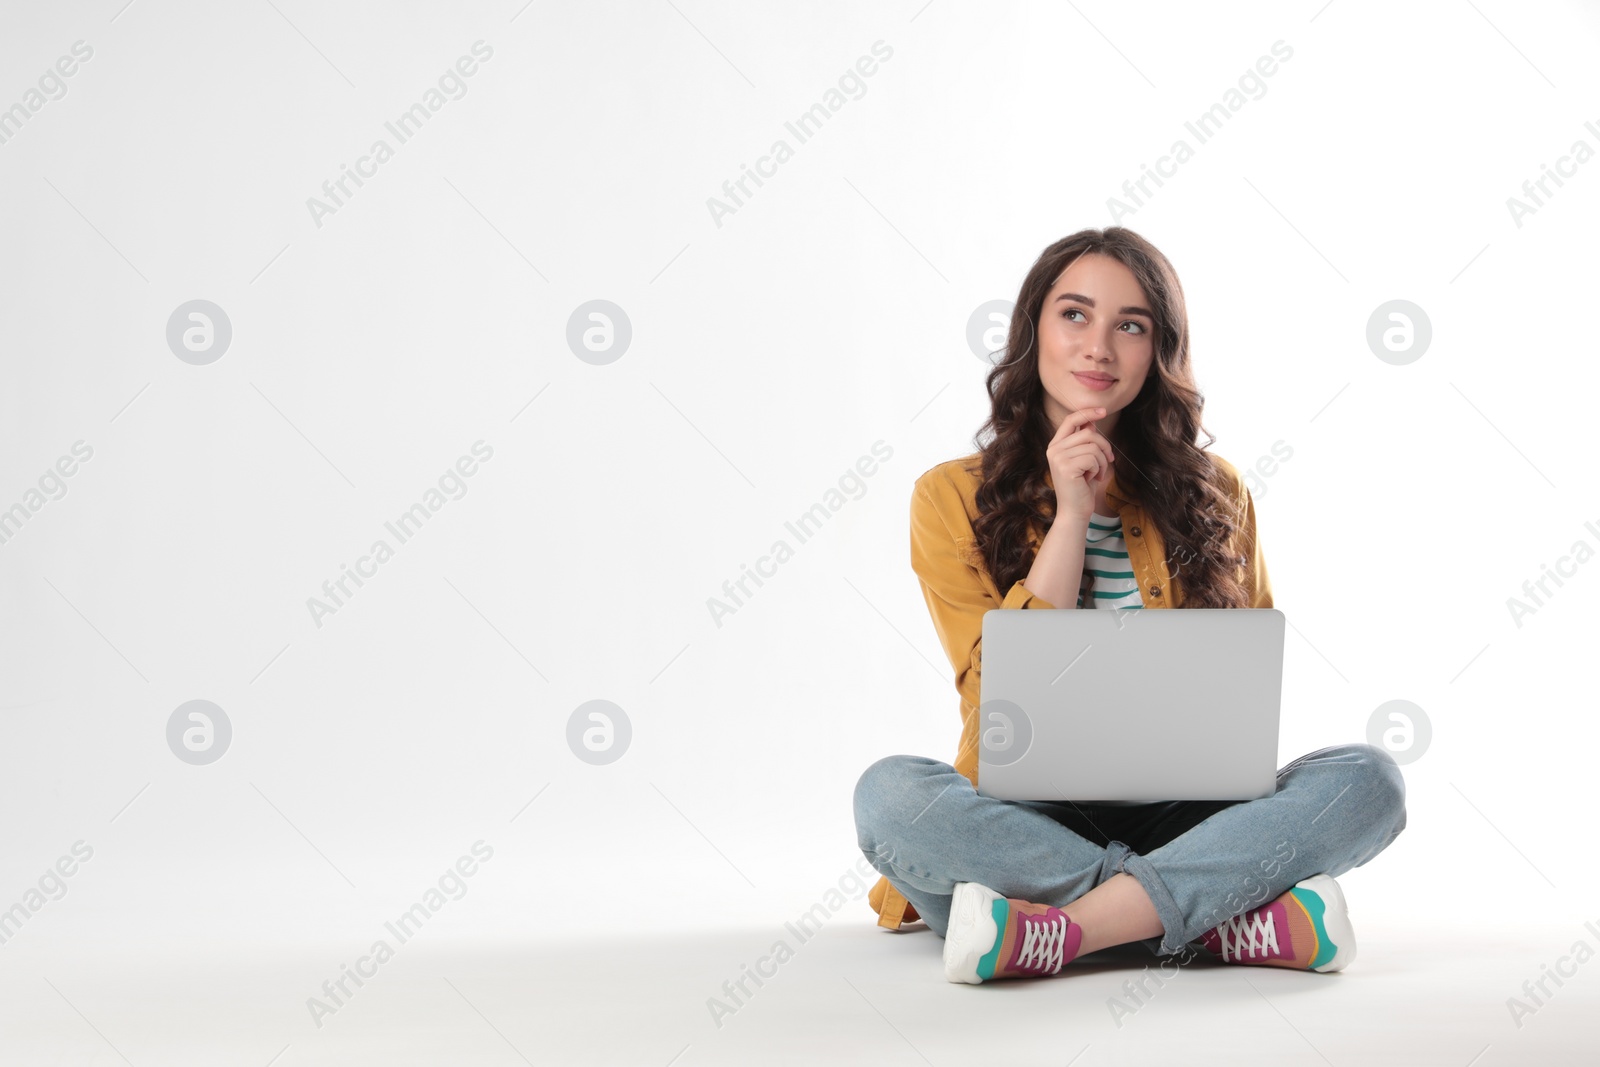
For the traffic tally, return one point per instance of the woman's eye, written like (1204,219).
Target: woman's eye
(1138,326)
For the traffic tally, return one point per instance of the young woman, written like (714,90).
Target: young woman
(1093,493)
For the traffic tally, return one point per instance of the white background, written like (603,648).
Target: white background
(768,354)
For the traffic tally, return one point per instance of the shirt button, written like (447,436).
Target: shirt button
(1155,590)
(1134,530)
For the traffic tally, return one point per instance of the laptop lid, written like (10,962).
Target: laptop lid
(1130,704)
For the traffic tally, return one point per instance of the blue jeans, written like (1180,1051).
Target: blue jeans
(921,824)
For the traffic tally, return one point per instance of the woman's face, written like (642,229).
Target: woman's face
(1095,323)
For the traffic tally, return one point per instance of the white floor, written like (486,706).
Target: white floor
(853,993)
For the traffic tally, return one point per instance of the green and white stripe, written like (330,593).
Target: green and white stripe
(1105,559)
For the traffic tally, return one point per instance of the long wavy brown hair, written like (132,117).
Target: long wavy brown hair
(1154,439)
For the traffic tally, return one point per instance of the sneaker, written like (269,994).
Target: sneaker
(1307,928)
(991,936)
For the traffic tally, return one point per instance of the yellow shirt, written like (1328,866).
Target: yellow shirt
(958,589)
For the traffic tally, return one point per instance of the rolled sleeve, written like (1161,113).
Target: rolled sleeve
(1018,596)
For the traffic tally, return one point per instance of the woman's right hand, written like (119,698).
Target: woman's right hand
(1080,462)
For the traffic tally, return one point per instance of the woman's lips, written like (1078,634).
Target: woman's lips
(1097,384)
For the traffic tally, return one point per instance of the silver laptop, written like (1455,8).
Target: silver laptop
(1130,704)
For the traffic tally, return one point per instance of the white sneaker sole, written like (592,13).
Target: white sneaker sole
(1335,919)
(971,932)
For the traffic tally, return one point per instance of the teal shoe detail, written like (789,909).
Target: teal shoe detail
(1315,908)
(986,965)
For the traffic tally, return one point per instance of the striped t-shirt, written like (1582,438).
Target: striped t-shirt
(1109,580)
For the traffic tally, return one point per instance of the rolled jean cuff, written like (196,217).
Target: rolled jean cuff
(1121,858)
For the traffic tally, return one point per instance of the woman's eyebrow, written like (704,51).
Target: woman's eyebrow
(1080,298)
